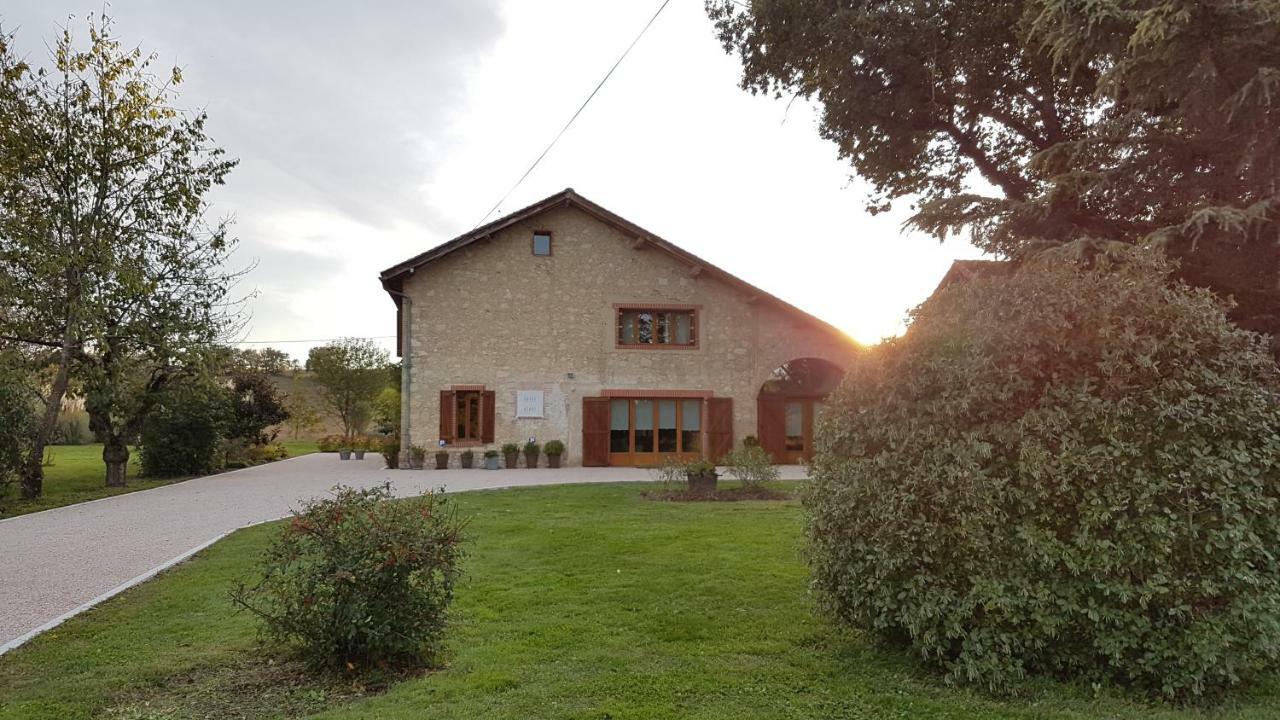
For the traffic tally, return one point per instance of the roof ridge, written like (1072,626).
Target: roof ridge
(392,277)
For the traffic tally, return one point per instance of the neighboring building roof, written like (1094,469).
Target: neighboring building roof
(393,277)
(969,269)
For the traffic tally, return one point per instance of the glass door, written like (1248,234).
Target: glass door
(643,431)
(798,418)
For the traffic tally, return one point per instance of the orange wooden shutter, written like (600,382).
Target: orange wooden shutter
(487,416)
(772,426)
(446,416)
(595,431)
(719,427)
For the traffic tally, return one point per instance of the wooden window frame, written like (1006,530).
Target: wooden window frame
(694,310)
(459,401)
(551,243)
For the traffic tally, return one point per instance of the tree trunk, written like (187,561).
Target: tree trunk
(33,473)
(115,453)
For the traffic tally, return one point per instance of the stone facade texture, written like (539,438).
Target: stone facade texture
(493,314)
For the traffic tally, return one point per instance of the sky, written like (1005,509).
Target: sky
(370,132)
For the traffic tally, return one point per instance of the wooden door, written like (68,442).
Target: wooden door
(595,431)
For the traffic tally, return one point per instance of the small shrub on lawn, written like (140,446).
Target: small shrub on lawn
(751,466)
(359,581)
(1073,470)
(182,431)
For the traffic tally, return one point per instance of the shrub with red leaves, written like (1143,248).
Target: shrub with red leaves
(360,580)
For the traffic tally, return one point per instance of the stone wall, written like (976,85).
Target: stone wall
(494,314)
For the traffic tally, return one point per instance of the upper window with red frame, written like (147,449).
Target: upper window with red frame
(640,327)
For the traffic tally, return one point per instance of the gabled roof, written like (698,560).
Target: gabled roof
(393,277)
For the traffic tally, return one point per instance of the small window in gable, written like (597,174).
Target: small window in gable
(541,243)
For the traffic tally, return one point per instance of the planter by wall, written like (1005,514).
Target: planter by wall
(553,461)
(359,454)
(442,461)
(344,454)
(467,460)
(491,463)
(416,461)
(705,481)
(512,461)
(530,460)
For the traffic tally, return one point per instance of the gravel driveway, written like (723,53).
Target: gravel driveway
(59,562)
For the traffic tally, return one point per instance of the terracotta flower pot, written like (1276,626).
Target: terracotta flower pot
(467,461)
(359,454)
(442,461)
(512,461)
(416,461)
(530,460)
(553,461)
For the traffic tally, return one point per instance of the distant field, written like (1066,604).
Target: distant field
(78,474)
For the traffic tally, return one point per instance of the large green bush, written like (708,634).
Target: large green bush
(17,419)
(1073,471)
(360,581)
(182,431)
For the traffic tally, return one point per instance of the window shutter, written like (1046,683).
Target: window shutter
(595,431)
(772,426)
(446,416)
(487,416)
(719,424)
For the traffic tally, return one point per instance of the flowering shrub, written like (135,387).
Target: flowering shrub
(332,443)
(359,580)
(1073,470)
(751,466)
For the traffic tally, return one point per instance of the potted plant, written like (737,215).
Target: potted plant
(468,458)
(554,450)
(359,446)
(442,460)
(390,449)
(417,455)
(701,475)
(490,459)
(510,455)
(531,452)
(344,449)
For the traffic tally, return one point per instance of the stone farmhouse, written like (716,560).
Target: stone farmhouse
(563,321)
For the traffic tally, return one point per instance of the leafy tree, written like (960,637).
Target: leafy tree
(386,410)
(267,361)
(350,373)
(1039,122)
(256,406)
(302,415)
(108,262)
(1072,470)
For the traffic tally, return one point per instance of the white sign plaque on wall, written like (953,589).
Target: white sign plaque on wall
(528,403)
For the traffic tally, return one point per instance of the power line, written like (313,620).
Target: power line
(575,114)
(312,340)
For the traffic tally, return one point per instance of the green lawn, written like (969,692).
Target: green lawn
(78,474)
(579,602)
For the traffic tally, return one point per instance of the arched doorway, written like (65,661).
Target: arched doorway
(789,401)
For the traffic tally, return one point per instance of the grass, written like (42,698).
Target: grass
(580,602)
(78,474)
